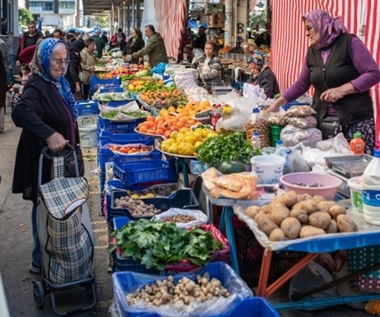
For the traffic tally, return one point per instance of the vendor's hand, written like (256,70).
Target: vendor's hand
(128,57)
(332,95)
(56,142)
(275,106)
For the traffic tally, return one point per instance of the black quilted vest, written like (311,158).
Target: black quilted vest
(337,71)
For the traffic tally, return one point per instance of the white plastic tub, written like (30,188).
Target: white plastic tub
(356,191)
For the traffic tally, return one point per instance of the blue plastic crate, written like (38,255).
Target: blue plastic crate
(106,155)
(128,282)
(96,82)
(252,307)
(87,107)
(183,198)
(119,103)
(146,171)
(111,88)
(117,127)
(105,137)
(295,103)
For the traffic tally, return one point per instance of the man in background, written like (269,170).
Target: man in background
(29,38)
(4,26)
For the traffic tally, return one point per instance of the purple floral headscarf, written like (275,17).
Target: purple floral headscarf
(328,28)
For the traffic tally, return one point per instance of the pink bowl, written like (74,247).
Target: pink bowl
(328,184)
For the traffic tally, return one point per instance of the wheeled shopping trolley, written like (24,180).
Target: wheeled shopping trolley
(65,234)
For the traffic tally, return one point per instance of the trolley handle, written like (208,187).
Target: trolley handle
(45,152)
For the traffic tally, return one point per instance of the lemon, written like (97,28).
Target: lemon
(135,196)
(186,149)
(198,135)
(184,129)
(189,138)
(173,148)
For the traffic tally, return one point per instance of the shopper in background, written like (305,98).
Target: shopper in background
(3,91)
(134,44)
(28,38)
(209,68)
(47,114)
(262,75)
(341,70)
(4,26)
(154,48)
(58,34)
(198,42)
(99,44)
(87,64)
(74,68)
(121,39)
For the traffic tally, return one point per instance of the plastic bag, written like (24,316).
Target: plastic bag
(277,118)
(338,144)
(129,282)
(200,217)
(302,123)
(233,122)
(159,68)
(299,111)
(254,92)
(297,162)
(292,136)
(185,78)
(315,275)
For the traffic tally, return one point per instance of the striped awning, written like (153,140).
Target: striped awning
(289,43)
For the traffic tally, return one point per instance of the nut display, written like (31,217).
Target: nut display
(185,292)
(137,208)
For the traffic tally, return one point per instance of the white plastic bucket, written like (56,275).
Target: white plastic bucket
(87,136)
(268,168)
(371,204)
(356,192)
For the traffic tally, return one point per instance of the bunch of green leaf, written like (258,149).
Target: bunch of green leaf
(225,147)
(156,244)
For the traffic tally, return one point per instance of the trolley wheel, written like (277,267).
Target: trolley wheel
(39,294)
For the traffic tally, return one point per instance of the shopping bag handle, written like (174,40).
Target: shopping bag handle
(66,152)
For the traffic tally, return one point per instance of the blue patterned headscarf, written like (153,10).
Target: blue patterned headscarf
(41,66)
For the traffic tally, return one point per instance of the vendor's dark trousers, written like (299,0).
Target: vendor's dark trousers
(36,253)
(85,91)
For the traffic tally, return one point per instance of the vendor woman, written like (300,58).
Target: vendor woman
(209,68)
(263,76)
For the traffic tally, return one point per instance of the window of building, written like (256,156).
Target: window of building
(67,4)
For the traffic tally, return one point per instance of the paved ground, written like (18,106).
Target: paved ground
(15,246)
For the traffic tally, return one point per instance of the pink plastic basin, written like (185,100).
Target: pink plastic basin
(328,184)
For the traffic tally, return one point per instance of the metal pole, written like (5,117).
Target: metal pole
(228,23)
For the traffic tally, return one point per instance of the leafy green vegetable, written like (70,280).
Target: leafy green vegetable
(156,244)
(221,148)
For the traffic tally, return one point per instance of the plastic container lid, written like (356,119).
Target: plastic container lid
(255,110)
(376,153)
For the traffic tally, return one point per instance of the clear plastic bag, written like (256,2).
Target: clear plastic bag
(129,282)
(292,136)
(199,217)
(302,123)
(233,122)
(258,122)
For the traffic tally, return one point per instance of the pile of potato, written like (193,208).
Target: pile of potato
(292,215)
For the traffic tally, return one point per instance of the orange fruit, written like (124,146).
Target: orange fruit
(143,128)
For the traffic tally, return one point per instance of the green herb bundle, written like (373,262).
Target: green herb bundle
(157,244)
(222,148)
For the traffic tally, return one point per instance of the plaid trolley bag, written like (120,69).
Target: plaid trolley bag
(65,234)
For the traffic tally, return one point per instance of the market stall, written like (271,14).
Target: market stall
(156,132)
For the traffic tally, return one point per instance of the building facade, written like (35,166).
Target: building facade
(63,14)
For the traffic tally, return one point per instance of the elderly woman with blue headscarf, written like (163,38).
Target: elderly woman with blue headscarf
(47,114)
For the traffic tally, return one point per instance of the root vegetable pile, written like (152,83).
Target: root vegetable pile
(292,216)
(137,208)
(185,292)
(179,218)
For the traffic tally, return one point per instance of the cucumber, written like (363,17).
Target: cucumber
(230,167)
